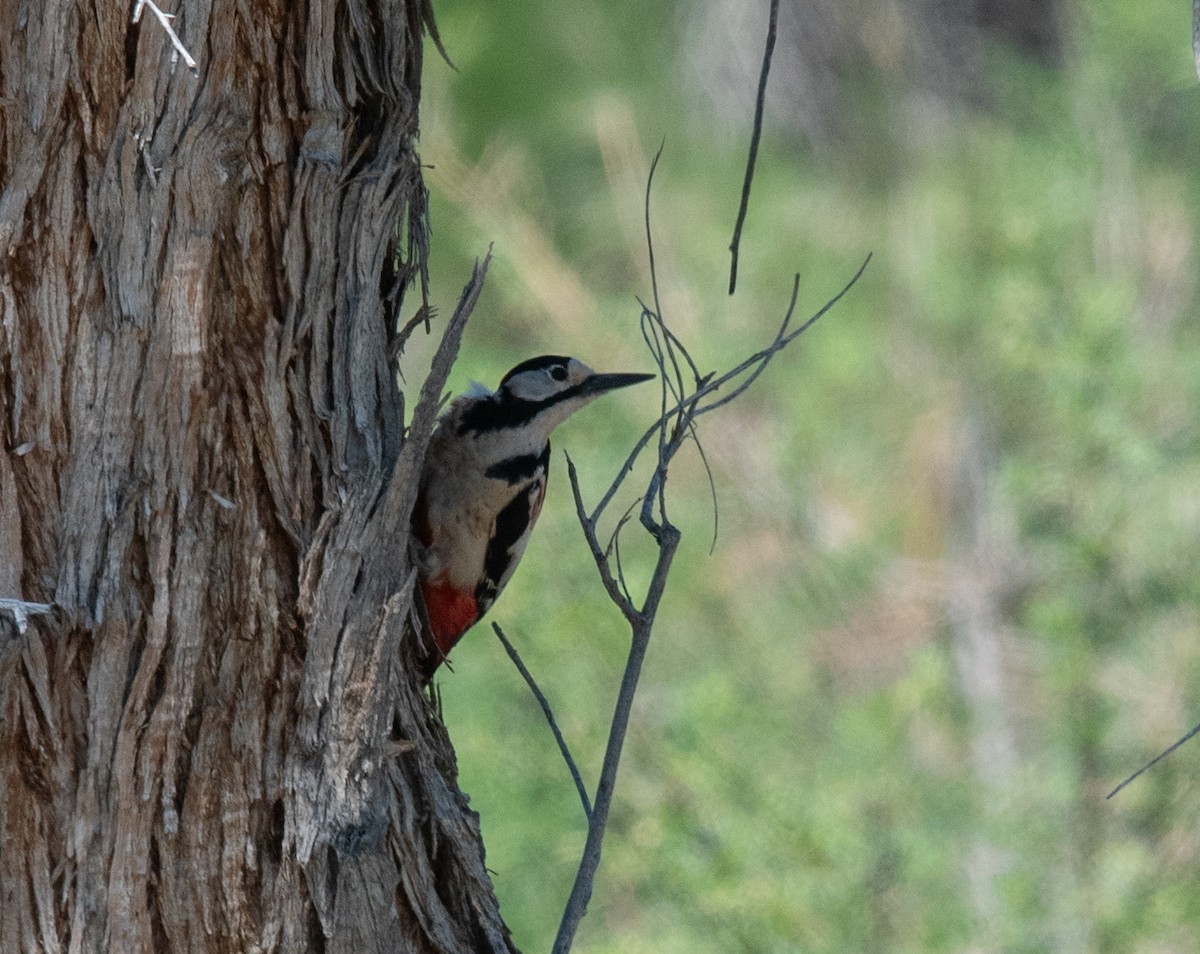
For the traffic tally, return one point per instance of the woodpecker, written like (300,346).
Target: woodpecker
(483,484)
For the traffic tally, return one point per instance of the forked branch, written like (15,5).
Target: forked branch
(685,396)
(165,19)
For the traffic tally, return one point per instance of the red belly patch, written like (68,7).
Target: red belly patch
(451,611)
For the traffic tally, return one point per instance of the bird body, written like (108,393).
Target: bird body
(483,484)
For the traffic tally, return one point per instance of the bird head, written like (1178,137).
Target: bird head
(559,386)
(541,393)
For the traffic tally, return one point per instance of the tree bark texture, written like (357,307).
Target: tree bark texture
(214,741)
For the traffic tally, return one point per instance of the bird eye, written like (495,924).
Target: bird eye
(558,372)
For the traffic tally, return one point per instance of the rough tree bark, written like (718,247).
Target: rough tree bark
(213,741)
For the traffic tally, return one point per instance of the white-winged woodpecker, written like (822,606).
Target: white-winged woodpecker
(483,484)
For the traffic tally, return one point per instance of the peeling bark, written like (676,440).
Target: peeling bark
(216,742)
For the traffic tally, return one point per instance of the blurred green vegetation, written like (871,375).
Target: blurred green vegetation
(954,597)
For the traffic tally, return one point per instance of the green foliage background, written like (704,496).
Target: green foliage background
(1002,418)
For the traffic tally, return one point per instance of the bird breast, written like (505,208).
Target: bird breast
(464,490)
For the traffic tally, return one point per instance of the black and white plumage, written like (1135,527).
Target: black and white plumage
(483,484)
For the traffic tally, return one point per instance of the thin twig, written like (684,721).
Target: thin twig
(1153,762)
(614,548)
(712,384)
(549,713)
(22,609)
(165,19)
(712,487)
(651,336)
(654,270)
(589,532)
(649,233)
(759,104)
(423,315)
(646,309)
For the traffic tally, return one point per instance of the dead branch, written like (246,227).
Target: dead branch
(165,19)
(549,713)
(759,103)
(681,404)
(21,610)
(1154,761)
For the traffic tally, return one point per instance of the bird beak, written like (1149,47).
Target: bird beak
(599,383)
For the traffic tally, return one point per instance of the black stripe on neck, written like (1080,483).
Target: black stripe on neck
(498,412)
(514,470)
(502,410)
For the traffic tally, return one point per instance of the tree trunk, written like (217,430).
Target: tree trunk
(980,565)
(215,740)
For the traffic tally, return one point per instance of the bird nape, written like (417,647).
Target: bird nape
(483,484)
